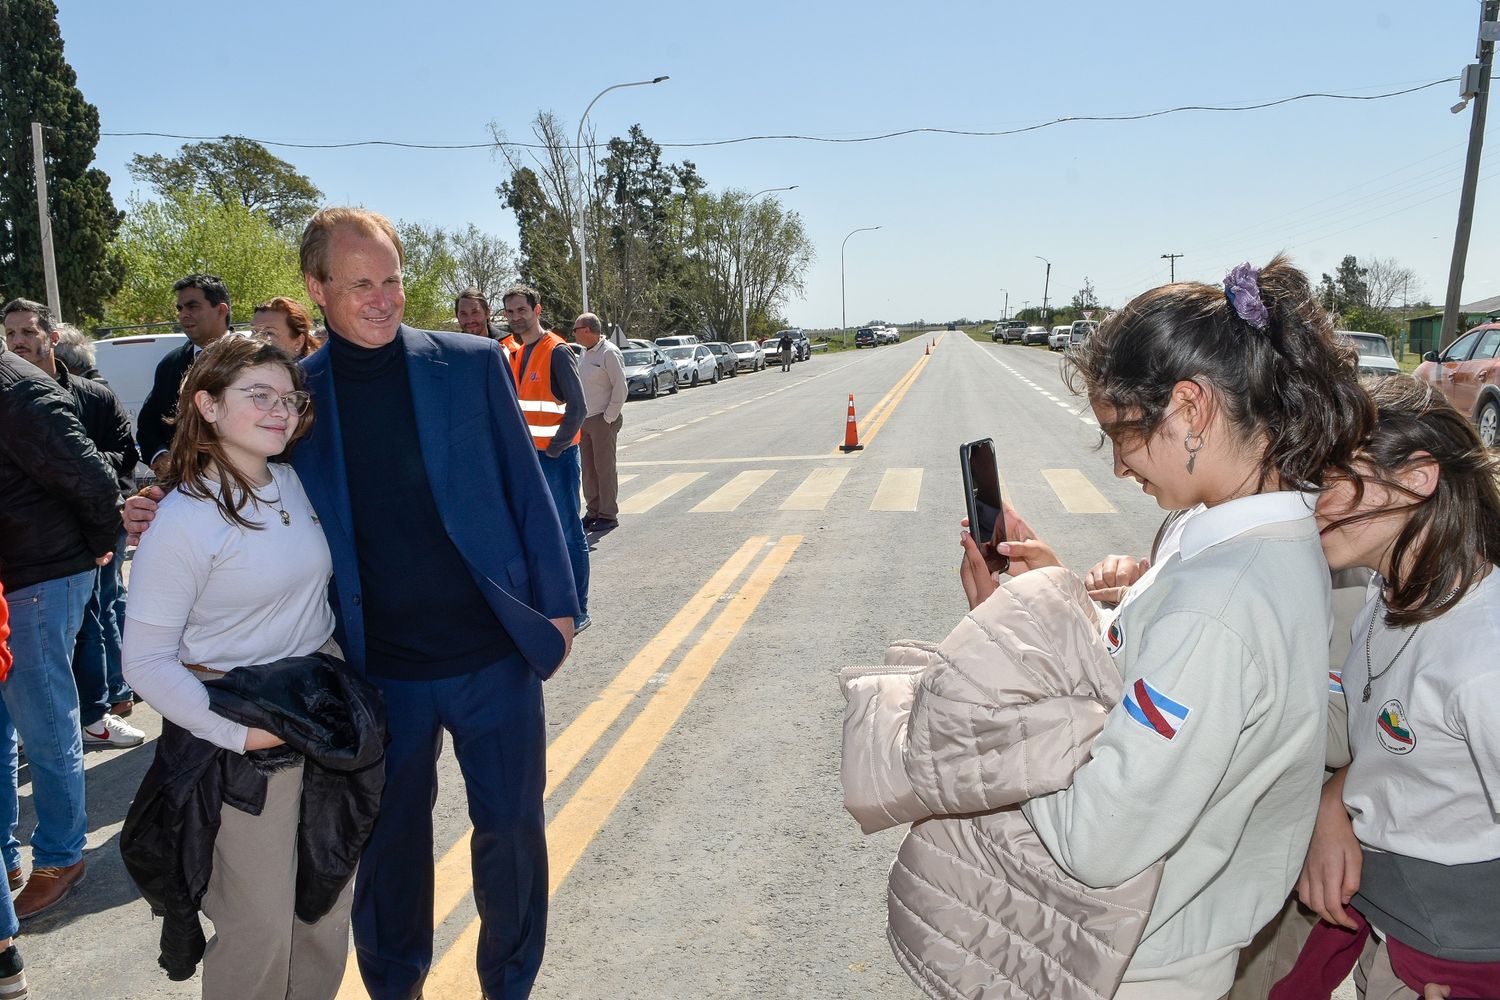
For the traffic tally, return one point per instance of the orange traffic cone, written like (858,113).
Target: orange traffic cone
(851,431)
(928,350)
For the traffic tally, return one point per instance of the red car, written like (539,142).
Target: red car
(1467,371)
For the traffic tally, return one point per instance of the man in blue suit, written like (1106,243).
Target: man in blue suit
(448,562)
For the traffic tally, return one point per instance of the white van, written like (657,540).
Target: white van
(128,364)
(680,340)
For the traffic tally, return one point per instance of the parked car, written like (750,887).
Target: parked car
(1467,371)
(749,354)
(1008,331)
(801,346)
(1374,349)
(1057,340)
(129,363)
(642,344)
(728,363)
(677,340)
(576,348)
(866,337)
(695,363)
(888,334)
(648,372)
(1082,330)
(1034,335)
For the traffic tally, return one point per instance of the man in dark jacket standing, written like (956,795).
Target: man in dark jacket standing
(58,522)
(203,314)
(32,334)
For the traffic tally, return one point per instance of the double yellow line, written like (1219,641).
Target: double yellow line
(576,824)
(881,412)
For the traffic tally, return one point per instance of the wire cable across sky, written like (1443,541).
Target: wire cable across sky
(837,140)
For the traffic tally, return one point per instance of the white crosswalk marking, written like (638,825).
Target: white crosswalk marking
(900,489)
(816,490)
(729,496)
(1078,495)
(653,495)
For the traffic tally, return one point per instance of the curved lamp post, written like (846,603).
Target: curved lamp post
(583,221)
(843,305)
(745,288)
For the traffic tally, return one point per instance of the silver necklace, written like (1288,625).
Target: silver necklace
(286,518)
(1370,676)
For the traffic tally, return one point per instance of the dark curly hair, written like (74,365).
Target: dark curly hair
(1293,383)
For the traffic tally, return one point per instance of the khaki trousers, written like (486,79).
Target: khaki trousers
(601,481)
(1270,955)
(260,950)
(1375,979)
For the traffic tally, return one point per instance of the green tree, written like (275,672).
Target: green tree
(233,169)
(428,275)
(1085,297)
(480,261)
(548,252)
(772,265)
(1346,288)
(37,84)
(184,233)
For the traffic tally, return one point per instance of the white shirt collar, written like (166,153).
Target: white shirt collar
(1235,517)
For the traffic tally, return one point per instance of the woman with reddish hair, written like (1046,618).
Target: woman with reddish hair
(287,324)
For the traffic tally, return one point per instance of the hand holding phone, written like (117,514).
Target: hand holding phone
(985,506)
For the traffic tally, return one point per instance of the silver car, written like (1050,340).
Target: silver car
(750,355)
(1374,349)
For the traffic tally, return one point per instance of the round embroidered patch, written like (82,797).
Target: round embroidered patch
(1114,638)
(1394,729)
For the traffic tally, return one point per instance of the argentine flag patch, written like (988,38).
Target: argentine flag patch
(1335,682)
(1155,711)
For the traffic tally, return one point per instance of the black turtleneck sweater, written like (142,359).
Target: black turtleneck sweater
(425,618)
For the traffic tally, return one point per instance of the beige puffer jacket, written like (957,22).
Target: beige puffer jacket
(951,738)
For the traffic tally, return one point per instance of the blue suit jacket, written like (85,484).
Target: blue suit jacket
(486,482)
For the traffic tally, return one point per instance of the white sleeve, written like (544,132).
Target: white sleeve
(1476,710)
(148,657)
(1142,792)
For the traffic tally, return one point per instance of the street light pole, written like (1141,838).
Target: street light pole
(1005,313)
(744,287)
(1046,285)
(44,216)
(843,300)
(583,187)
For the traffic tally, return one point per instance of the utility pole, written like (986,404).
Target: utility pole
(49,261)
(1172,257)
(1005,314)
(1475,86)
(1046,284)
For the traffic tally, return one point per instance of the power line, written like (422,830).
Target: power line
(837,140)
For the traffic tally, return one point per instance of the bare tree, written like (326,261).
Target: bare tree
(480,261)
(1389,282)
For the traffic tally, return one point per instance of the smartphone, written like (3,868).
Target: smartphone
(981,471)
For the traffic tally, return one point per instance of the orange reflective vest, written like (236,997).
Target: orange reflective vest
(542,410)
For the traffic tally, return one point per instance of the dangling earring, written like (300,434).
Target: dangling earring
(1192,449)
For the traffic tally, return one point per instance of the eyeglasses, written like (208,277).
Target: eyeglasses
(265,400)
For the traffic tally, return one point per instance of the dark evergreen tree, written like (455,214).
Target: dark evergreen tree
(37,84)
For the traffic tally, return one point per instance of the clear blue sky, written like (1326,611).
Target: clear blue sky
(961,217)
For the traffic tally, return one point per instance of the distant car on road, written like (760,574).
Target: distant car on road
(749,355)
(888,335)
(642,344)
(648,372)
(801,346)
(1082,330)
(866,337)
(1374,349)
(1467,372)
(695,364)
(677,340)
(1057,340)
(728,363)
(1034,335)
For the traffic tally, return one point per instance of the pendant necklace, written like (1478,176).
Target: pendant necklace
(1370,676)
(275,505)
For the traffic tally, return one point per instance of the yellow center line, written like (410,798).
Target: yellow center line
(868,437)
(452,879)
(580,820)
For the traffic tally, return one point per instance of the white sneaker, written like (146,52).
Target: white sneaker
(113,731)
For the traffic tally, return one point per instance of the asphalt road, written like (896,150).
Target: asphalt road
(698,843)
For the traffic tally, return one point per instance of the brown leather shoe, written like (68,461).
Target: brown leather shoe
(47,888)
(16,880)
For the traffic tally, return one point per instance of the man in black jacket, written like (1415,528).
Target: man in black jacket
(32,334)
(58,522)
(203,314)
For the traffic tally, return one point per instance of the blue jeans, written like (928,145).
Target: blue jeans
(96,654)
(564,475)
(38,700)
